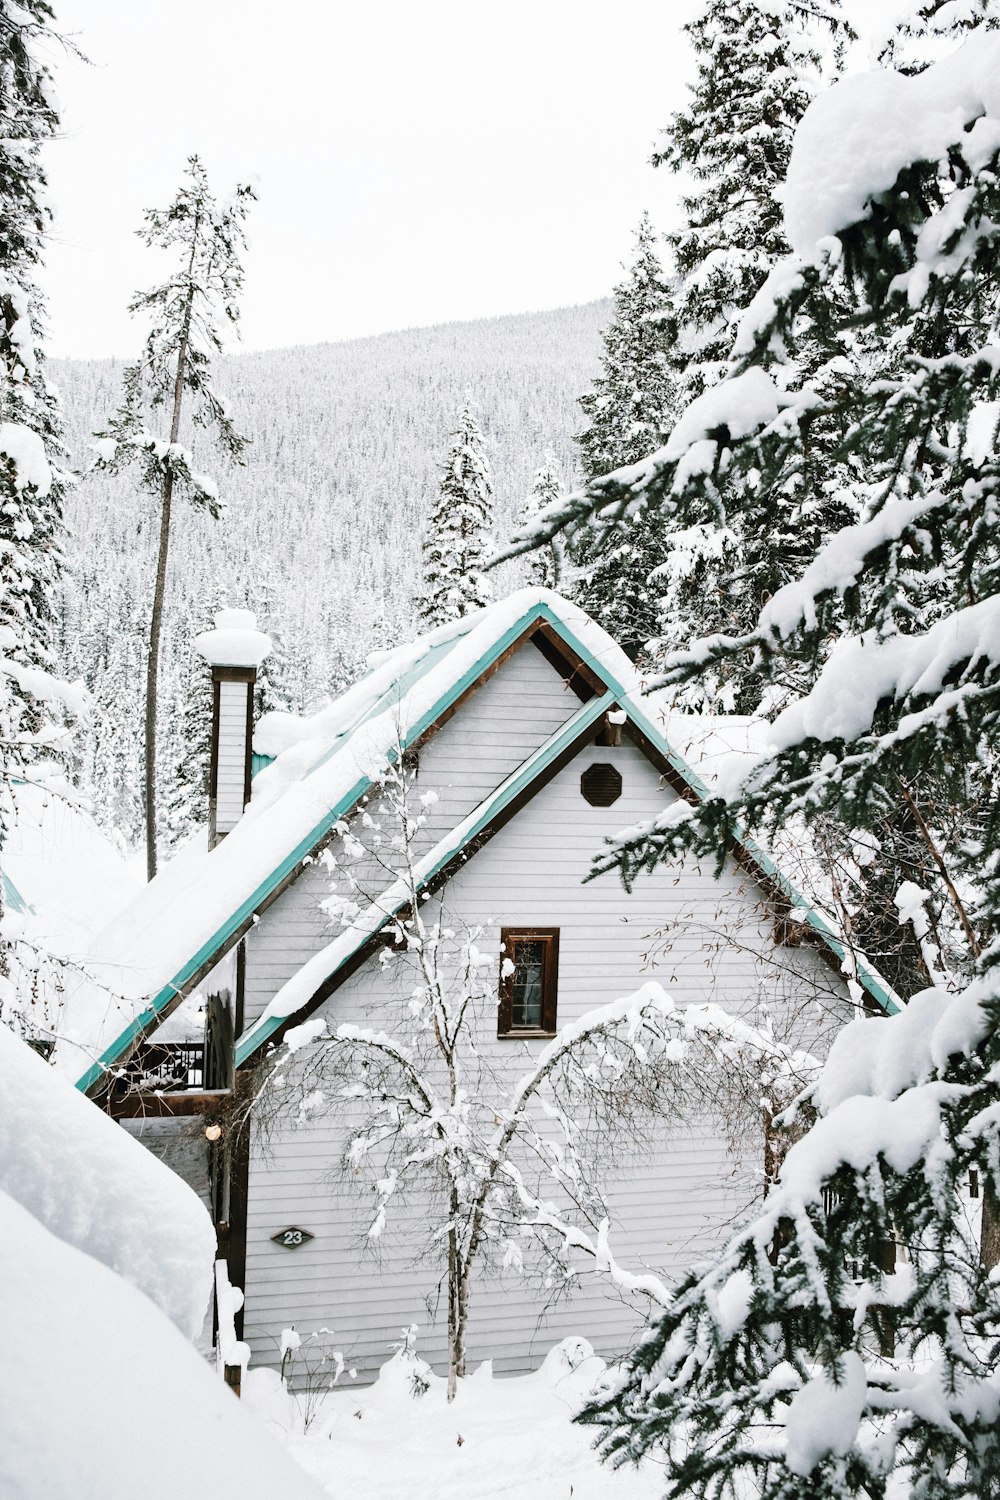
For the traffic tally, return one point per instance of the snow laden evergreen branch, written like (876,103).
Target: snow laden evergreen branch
(783,1366)
(917,561)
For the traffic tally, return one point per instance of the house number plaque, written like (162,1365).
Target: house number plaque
(291,1239)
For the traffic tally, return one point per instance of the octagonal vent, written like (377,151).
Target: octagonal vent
(601,785)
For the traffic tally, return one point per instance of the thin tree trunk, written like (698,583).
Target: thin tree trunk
(454,1355)
(938,859)
(989,1240)
(160,587)
(465,1274)
(152,671)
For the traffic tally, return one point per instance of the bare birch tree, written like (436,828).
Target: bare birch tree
(510,1157)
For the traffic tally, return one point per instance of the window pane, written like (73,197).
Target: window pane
(529,969)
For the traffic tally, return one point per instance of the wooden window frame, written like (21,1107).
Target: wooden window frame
(550,981)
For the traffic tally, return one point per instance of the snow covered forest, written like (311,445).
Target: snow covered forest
(764,470)
(346,444)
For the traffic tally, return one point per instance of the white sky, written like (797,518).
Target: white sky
(416,160)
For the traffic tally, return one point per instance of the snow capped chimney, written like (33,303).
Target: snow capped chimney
(234,650)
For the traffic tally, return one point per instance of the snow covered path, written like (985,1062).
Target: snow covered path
(501,1439)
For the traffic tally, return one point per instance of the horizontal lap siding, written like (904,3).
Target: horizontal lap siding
(668,1210)
(232,750)
(494,733)
(513,713)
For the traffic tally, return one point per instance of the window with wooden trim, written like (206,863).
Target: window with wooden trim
(529,974)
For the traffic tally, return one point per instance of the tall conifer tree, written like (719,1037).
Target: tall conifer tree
(187,313)
(844,1345)
(758,68)
(33,702)
(457,541)
(631,408)
(545,565)
(33,478)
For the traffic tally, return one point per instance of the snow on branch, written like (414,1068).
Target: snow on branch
(863,671)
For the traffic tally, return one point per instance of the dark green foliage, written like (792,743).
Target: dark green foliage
(32,531)
(884,648)
(457,542)
(631,409)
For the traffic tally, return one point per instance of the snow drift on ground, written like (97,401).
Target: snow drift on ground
(100,1396)
(89,1183)
(511,1438)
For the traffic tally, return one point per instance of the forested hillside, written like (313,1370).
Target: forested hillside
(322,527)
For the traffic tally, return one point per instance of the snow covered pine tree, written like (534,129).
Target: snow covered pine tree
(766,1375)
(545,566)
(631,408)
(457,541)
(758,68)
(32,479)
(184,338)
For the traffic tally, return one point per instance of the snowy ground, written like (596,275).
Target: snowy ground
(509,1438)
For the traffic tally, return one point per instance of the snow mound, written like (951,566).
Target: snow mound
(512,1436)
(856,138)
(104,1396)
(90,1184)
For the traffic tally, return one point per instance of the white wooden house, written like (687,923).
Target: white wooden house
(530,725)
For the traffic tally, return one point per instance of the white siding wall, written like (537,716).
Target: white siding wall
(714,942)
(496,730)
(232,754)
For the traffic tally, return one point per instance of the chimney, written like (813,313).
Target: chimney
(234,650)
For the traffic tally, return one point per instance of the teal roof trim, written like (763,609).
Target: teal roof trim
(13,900)
(865,973)
(453,845)
(145,1021)
(258,762)
(535,615)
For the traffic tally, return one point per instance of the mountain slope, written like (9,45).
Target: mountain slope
(323,523)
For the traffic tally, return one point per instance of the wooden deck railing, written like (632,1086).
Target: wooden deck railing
(168,1067)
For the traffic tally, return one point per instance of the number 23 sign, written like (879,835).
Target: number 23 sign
(292,1238)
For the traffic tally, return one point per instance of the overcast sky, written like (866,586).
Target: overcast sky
(416,161)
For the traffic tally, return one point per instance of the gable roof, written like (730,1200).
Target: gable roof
(204,901)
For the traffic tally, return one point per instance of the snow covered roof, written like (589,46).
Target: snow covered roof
(203,901)
(62,876)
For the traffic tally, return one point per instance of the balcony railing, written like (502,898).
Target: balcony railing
(172,1067)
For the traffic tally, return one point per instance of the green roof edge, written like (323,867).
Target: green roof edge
(253,1038)
(142,1023)
(535,615)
